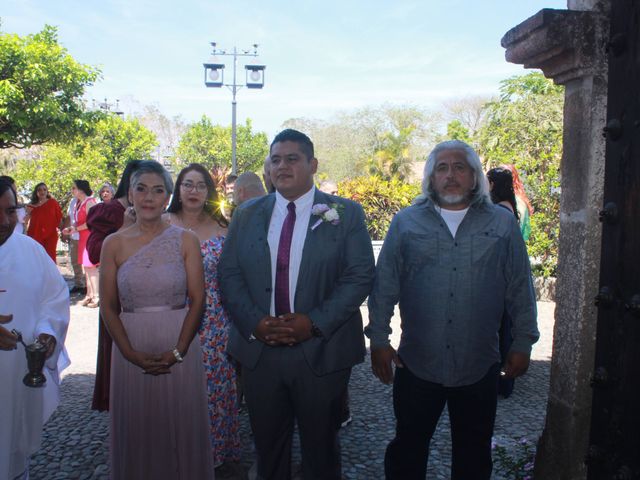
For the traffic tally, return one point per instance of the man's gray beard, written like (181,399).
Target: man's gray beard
(445,200)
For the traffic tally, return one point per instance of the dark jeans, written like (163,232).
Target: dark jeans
(418,404)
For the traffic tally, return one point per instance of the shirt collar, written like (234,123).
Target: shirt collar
(301,202)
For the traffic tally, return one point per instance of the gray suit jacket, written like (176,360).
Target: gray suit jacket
(336,275)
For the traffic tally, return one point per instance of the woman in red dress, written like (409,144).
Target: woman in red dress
(44,216)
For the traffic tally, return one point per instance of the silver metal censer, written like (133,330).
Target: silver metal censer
(36,356)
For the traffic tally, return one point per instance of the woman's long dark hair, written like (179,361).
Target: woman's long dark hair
(34,195)
(211,204)
(502,189)
(84,186)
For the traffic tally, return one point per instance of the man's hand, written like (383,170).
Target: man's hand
(381,358)
(273,331)
(300,325)
(49,341)
(8,341)
(517,364)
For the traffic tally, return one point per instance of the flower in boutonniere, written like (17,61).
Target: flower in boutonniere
(327,213)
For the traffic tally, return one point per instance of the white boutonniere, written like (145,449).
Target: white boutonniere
(327,213)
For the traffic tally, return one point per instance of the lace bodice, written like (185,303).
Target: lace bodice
(155,275)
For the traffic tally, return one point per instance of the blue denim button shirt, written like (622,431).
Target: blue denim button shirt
(452,291)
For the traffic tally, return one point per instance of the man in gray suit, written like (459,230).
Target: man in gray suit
(295,268)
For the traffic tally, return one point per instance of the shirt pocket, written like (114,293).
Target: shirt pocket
(487,248)
(419,251)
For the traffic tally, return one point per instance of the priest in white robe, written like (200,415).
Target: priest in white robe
(34,299)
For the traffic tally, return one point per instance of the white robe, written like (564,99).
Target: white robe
(38,297)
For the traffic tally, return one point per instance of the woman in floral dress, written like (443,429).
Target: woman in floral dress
(194,207)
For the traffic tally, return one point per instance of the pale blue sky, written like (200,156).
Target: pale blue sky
(321,56)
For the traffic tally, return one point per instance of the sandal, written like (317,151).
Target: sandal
(93,304)
(86,301)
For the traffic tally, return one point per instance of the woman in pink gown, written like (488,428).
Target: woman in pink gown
(158,404)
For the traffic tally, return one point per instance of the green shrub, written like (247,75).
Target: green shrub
(380,199)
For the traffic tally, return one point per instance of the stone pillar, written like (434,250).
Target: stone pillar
(570,47)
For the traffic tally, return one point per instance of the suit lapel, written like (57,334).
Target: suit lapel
(267,211)
(312,242)
(260,231)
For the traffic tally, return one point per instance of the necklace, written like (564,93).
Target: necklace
(191,228)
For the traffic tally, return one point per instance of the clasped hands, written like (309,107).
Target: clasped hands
(286,330)
(153,363)
(8,341)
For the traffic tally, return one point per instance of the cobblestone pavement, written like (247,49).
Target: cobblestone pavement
(76,439)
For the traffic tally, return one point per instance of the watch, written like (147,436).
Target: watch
(315,331)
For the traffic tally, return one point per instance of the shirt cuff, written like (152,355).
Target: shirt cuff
(521,345)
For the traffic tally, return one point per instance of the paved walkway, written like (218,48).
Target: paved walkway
(76,439)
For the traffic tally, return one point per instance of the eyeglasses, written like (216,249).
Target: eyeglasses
(188,186)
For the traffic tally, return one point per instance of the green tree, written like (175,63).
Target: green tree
(41,88)
(381,199)
(98,157)
(457,131)
(118,140)
(210,145)
(392,158)
(524,128)
(385,140)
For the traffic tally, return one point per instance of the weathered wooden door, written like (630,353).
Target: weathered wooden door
(614,451)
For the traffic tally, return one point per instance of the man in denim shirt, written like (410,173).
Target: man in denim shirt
(454,262)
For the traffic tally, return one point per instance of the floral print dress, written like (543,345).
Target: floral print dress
(221,373)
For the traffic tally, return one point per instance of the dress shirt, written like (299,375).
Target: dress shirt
(452,291)
(303,213)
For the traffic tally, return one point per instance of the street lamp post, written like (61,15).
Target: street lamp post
(214,78)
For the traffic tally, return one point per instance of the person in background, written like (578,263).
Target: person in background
(247,186)
(106,192)
(525,209)
(152,298)
(20,211)
(72,237)
(266,176)
(34,300)
(502,194)
(194,207)
(103,220)
(44,218)
(454,262)
(82,192)
(328,186)
(229,184)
